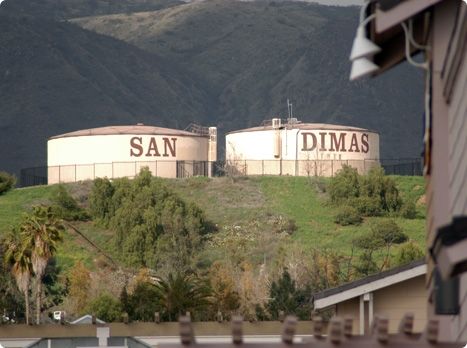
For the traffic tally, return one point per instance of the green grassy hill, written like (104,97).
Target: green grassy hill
(266,205)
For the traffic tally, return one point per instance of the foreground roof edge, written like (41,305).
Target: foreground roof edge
(342,293)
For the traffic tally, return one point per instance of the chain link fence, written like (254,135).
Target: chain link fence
(184,169)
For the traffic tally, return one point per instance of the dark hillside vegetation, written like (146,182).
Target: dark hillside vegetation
(251,56)
(60,9)
(229,64)
(58,78)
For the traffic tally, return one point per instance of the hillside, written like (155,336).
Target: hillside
(264,204)
(56,9)
(259,226)
(224,63)
(251,56)
(59,78)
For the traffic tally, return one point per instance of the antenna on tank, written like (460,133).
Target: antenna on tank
(290,110)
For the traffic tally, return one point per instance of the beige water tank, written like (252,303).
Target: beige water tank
(121,151)
(295,148)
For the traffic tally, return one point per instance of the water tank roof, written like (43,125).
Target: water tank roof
(138,129)
(305,126)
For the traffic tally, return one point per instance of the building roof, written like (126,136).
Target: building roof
(304,126)
(87,319)
(371,283)
(387,33)
(139,129)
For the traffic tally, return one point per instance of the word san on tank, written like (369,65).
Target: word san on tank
(331,141)
(155,147)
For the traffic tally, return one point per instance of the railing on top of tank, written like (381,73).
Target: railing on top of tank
(183,169)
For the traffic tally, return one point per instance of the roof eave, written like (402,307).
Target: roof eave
(386,32)
(338,297)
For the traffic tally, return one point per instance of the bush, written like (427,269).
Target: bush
(409,252)
(106,308)
(7,182)
(408,210)
(383,233)
(370,194)
(344,185)
(348,215)
(376,185)
(100,199)
(388,232)
(366,206)
(65,206)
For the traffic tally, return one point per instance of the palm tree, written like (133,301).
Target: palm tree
(180,293)
(41,232)
(19,259)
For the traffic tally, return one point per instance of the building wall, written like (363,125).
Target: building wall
(301,151)
(456,100)
(397,300)
(447,182)
(394,302)
(87,157)
(350,309)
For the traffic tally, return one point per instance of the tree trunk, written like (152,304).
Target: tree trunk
(38,301)
(26,303)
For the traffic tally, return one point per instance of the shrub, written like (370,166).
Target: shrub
(366,206)
(100,199)
(408,210)
(106,307)
(388,232)
(376,185)
(383,233)
(370,194)
(348,215)
(7,182)
(344,185)
(409,252)
(65,206)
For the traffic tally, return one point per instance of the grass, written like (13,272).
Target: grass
(239,200)
(15,202)
(19,201)
(235,202)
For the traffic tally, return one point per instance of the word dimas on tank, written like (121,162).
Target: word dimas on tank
(331,141)
(154,147)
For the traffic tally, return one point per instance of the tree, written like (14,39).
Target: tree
(7,182)
(180,293)
(225,298)
(106,307)
(284,296)
(11,298)
(383,235)
(142,303)
(18,258)
(40,233)
(80,283)
(154,227)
